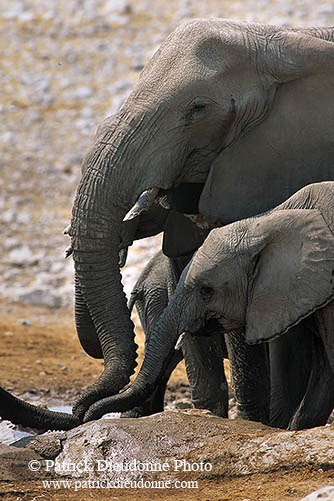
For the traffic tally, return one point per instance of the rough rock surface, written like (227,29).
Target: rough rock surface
(184,440)
(48,445)
(324,494)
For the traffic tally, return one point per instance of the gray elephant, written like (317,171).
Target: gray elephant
(226,121)
(203,356)
(259,276)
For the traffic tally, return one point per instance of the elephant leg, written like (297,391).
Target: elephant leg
(250,377)
(205,370)
(290,366)
(318,401)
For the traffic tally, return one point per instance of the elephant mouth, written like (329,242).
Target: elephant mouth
(229,324)
(208,328)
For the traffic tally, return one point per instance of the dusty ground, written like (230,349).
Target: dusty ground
(48,363)
(48,360)
(273,487)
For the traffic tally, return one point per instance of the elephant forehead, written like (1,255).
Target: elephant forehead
(220,255)
(194,51)
(211,267)
(169,74)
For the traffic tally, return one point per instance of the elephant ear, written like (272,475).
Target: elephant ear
(271,162)
(279,148)
(293,274)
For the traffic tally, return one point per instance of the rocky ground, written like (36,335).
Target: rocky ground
(64,66)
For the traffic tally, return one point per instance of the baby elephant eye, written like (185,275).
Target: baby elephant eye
(198,106)
(206,292)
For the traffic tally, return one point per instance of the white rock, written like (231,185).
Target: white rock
(117,6)
(6,137)
(325,494)
(16,10)
(23,218)
(41,297)
(81,92)
(22,256)
(26,17)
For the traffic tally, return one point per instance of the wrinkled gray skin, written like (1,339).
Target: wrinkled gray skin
(19,412)
(203,356)
(259,276)
(239,108)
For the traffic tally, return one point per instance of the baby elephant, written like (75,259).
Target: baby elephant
(260,276)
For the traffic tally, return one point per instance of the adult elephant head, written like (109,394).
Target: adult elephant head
(190,121)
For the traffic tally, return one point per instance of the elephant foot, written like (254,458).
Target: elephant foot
(219,408)
(134,413)
(251,412)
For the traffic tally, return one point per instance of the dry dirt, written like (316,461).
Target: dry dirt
(45,359)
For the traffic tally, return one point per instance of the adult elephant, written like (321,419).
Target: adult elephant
(261,276)
(236,115)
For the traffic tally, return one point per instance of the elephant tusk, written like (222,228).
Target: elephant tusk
(180,340)
(144,202)
(67,230)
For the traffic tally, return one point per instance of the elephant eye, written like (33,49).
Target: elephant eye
(198,104)
(195,108)
(198,107)
(206,292)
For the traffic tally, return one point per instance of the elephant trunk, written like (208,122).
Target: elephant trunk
(101,310)
(159,349)
(103,198)
(85,327)
(19,412)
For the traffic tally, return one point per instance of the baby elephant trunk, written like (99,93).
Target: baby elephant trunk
(160,349)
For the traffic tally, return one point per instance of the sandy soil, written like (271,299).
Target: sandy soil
(48,360)
(45,361)
(273,487)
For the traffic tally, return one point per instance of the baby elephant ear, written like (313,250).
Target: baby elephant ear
(294,272)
